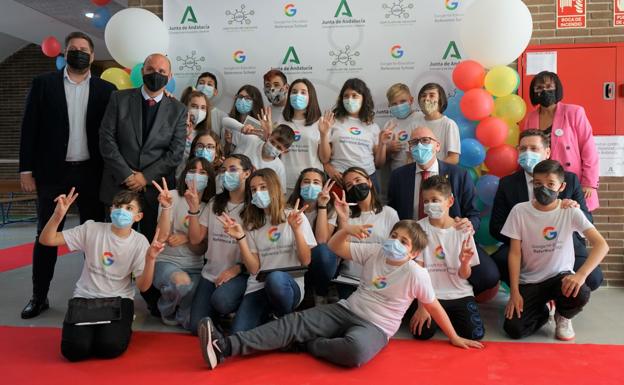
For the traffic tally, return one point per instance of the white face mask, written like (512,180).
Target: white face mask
(433,210)
(197,115)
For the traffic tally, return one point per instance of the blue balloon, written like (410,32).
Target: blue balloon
(101,16)
(60,62)
(472,153)
(486,188)
(171,86)
(466,127)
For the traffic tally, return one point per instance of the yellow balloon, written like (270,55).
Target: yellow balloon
(118,77)
(514,134)
(501,81)
(511,108)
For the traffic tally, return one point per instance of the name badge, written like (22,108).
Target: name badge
(558,132)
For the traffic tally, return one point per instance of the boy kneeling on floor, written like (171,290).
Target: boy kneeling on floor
(352,331)
(99,317)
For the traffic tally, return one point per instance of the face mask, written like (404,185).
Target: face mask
(547,98)
(261,199)
(401,111)
(78,60)
(352,105)
(206,90)
(206,154)
(394,250)
(270,151)
(155,81)
(433,210)
(243,106)
(358,192)
(197,115)
(275,96)
(429,106)
(422,153)
(298,101)
(309,192)
(219,184)
(201,181)
(544,195)
(122,218)
(528,159)
(231,180)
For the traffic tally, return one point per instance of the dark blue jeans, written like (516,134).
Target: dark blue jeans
(210,301)
(322,269)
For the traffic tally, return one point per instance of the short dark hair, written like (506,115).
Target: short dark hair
(285,134)
(79,35)
(416,233)
(367,112)
(209,191)
(208,75)
(541,78)
(256,97)
(535,132)
(550,166)
(273,73)
(442,100)
(125,197)
(438,183)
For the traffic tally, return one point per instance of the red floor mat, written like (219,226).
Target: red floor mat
(20,256)
(32,356)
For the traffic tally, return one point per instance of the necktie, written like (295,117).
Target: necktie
(421,207)
(151,102)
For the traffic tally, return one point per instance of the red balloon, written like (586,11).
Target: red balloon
(501,160)
(468,74)
(128,70)
(100,3)
(492,131)
(476,104)
(50,46)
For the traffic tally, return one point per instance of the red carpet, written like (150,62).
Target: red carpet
(32,356)
(20,256)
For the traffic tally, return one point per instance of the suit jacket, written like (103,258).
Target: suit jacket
(122,146)
(401,192)
(45,127)
(512,189)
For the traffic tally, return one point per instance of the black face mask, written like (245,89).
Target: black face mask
(544,195)
(547,98)
(155,81)
(78,60)
(358,193)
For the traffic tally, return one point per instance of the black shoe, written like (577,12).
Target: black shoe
(213,344)
(34,308)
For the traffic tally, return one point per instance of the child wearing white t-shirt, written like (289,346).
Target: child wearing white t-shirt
(207,84)
(448,257)
(350,332)
(541,258)
(99,318)
(198,120)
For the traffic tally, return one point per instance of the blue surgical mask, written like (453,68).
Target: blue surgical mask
(393,249)
(270,151)
(206,154)
(231,180)
(243,106)
(401,111)
(528,159)
(309,192)
(299,101)
(422,153)
(201,181)
(122,218)
(261,199)
(206,90)
(352,105)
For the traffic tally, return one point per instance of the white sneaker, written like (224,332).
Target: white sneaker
(551,311)
(563,329)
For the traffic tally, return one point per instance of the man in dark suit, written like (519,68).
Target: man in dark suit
(404,197)
(534,147)
(59,150)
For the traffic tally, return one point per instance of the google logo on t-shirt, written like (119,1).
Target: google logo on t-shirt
(402,135)
(380,282)
(297,135)
(355,131)
(273,234)
(549,233)
(290,10)
(439,252)
(187,220)
(107,258)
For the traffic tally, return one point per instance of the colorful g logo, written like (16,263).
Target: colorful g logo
(297,135)
(355,131)
(273,234)
(187,220)
(239,56)
(439,252)
(107,258)
(290,10)
(549,233)
(396,51)
(380,282)
(402,135)
(451,5)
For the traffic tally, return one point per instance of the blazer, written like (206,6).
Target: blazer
(512,189)
(45,127)
(122,146)
(401,192)
(575,148)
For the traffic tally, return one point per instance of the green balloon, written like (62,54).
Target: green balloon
(473,175)
(136,77)
(483,236)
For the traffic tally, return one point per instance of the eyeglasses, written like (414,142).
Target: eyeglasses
(423,140)
(200,146)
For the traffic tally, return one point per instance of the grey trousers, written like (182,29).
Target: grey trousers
(330,332)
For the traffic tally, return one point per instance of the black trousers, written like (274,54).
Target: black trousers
(465,318)
(535,313)
(101,341)
(86,179)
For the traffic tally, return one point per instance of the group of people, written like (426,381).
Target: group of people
(269,222)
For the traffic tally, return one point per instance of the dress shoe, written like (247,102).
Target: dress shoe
(34,308)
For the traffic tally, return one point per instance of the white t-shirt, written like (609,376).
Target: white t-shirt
(251,145)
(187,152)
(223,251)
(353,143)
(216,119)
(332,217)
(303,153)
(546,238)
(447,132)
(441,259)
(386,291)
(276,247)
(402,132)
(109,260)
(277,113)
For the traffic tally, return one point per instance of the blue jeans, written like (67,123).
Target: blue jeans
(280,296)
(174,298)
(322,269)
(210,301)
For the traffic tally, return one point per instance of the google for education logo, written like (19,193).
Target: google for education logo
(439,252)
(549,233)
(396,51)
(355,131)
(273,234)
(380,282)
(297,135)
(107,258)
(187,220)
(402,135)
(451,5)
(290,10)
(239,56)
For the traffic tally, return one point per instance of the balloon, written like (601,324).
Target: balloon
(468,75)
(100,3)
(473,173)
(484,210)
(60,62)
(483,236)
(486,188)
(171,85)
(511,108)
(476,104)
(495,32)
(502,160)
(513,138)
(101,16)
(492,131)
(50,46)
(128,70)
(134,33)
(466,128)
(490,249)
(136,76)
(501,81)
(118,77)
(472,153)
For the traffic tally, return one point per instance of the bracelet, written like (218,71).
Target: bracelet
(241,238)
(192,213)
(321,207)
(165,207)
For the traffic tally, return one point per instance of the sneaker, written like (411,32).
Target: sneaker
(211,342)
(550,305)
(169,320)
(563,329)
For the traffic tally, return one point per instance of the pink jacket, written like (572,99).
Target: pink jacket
(572,144)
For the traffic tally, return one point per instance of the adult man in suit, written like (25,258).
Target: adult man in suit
(534,147)
(404,197)
(59,150)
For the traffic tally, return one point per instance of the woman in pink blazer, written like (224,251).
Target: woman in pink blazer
(571,138)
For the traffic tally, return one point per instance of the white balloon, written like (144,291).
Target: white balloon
(496,32)
(134,33)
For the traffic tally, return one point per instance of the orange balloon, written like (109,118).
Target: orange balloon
(492,131)
(502,160)
(476,104)
(468,74)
